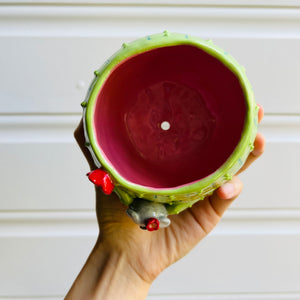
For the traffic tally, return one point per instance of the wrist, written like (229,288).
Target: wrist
(116,277)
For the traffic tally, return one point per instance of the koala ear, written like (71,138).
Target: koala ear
(134,216)
(164,222)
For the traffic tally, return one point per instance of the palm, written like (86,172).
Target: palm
(152,252)
(163,247)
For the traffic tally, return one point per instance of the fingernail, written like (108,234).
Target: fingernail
(228,190)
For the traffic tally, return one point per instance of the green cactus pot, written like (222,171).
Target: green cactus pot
(168,119)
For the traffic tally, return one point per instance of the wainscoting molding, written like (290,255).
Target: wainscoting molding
(83,223)
(49,51)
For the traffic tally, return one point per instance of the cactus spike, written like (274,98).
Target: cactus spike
(228,176)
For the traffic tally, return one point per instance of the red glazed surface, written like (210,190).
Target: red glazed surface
(200,99)
(102,179)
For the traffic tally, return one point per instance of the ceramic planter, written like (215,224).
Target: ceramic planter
(168,119)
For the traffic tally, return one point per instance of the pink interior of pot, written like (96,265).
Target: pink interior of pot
(169,117)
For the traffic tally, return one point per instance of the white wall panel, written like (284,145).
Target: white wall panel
(246,296)
(272,3)
(237,258)
(44,176)
(236,296)
(63,45)
(44,168)
(236,264)
(49,50)
(66,65)
(41,266)
(272,182)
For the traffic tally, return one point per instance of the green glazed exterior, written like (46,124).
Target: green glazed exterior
(175,199)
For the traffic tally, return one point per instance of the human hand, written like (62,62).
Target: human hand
(146,254)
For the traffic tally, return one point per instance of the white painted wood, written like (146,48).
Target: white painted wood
(272,182)
(281,129)
(239,264)
(48,224)
(263,3)
(271,68)
(246,296)
(41,266)
(37,245)
(33,298)
(49,50)
(221,264)
(40,129)
(249,243)
(63,45)
(122,21)
(42,167)
(44,176)
(235,222)
(281,296)
(66,66)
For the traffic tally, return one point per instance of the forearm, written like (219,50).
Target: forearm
(108,275)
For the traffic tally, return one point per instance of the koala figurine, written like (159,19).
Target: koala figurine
(149,215)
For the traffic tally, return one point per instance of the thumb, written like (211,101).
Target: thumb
(225,195)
